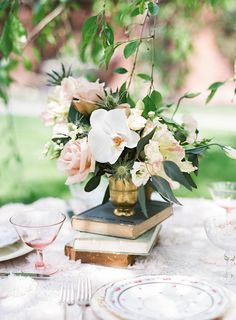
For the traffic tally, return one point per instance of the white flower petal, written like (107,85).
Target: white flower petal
(103,146)
(97,118)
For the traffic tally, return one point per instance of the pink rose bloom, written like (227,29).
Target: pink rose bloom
(76,160)
(87,94)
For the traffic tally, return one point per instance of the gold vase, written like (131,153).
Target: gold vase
(124,196)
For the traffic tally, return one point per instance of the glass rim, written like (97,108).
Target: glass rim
(220,215)
(218,183)
(40,226)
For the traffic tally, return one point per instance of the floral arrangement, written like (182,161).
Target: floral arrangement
(98,132)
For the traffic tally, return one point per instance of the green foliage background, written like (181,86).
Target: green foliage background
(23,176)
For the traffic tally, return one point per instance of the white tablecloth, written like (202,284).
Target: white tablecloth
(183,250)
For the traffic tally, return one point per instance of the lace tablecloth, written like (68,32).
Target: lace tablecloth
(183,250)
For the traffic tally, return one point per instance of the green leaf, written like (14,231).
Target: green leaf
(142,6)
(142,200)
(149,105)
(190,95)
(4,4)
(3,95)
(162,186)
(190,180)
(13,34)
(197,150)
(92,183)
(120,70)
(108,34)
(130,48)
(27,63)
(106,195)
(213,88)
(75,116)
(153,8)
(89,30)
(135,12)
(156,98)
(144,76)
(174,172)
(36,54)
(108,53)
(143,141)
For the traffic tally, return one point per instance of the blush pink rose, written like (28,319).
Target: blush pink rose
(87,94)
(76,160)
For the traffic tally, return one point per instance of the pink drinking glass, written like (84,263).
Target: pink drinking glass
(224,194)
(38,229)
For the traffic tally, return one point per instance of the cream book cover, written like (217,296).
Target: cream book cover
(99,243)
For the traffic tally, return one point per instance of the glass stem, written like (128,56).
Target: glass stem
(229,260)
(39,262)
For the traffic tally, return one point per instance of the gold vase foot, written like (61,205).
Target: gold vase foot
(124,212)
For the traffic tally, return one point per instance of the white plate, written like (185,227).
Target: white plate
(8,236)
(15,250)
(166,298)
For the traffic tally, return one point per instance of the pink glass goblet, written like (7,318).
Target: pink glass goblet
(38,229)
(224,194)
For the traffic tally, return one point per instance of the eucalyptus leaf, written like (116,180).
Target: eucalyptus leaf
(108,53)
(108,34)
(162,186)
(213,88)
(92,184)
(120,70)
(190,180)
(144,76)
(130,48)
(89,30)
(197,150)
(143,141)
(142,200)
(153,8)
(156,98)
(174,172)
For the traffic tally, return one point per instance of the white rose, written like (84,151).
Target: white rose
(136,122)
(139,173)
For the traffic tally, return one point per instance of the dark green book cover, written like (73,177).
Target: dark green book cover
(104,213)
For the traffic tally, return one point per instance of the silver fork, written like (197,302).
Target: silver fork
(67,296)
(84,294)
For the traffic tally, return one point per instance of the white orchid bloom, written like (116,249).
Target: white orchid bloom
(110,134)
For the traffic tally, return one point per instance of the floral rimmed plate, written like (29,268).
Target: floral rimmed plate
(164,297)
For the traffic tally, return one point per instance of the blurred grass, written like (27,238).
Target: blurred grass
(33,177)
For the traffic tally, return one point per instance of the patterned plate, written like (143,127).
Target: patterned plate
(165,297)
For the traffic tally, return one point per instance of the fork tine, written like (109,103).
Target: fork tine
(70,294)
(63,294)
(88,290)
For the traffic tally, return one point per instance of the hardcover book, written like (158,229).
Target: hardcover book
(100,258)
(114,259)
(99,243)
(101,220)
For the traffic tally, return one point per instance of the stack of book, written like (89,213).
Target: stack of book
(105,239)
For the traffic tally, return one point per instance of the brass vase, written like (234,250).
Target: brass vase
(124,196)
